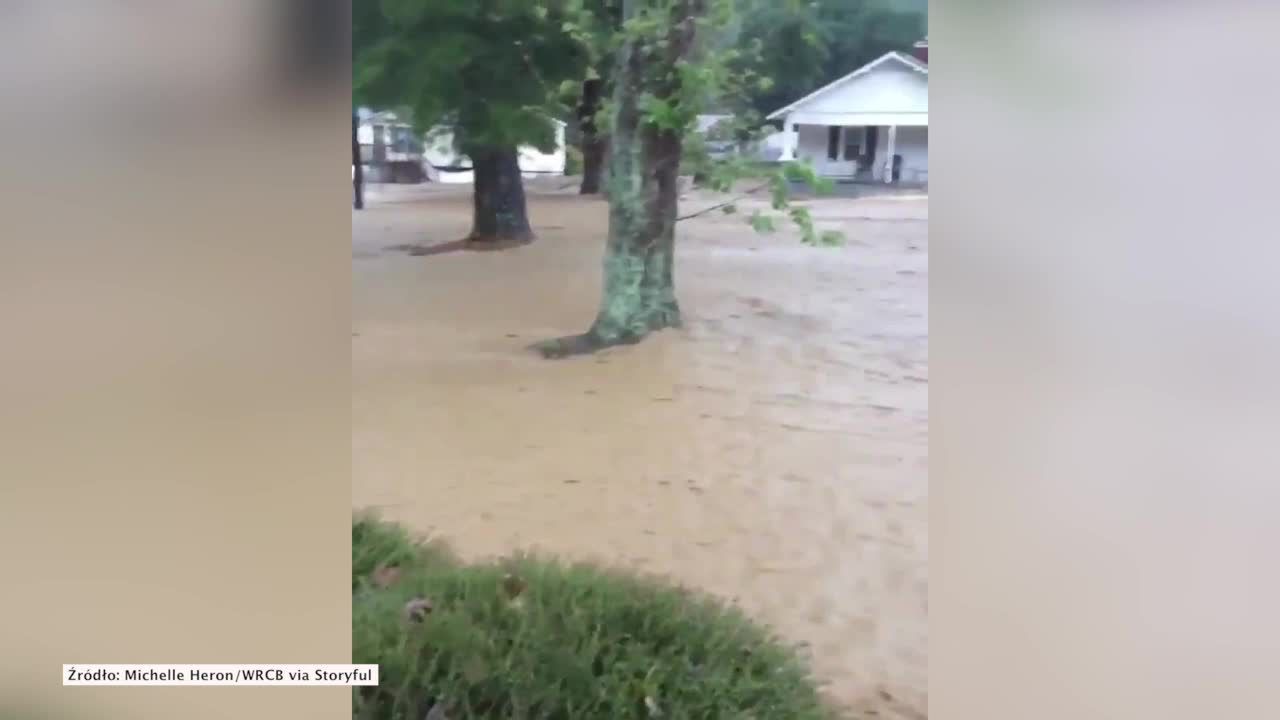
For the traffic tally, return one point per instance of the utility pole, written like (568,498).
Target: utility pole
(357,163)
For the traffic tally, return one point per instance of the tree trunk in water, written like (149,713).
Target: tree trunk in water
(593,145)
(594,151)
(500,216)
(357,163)
(644,168)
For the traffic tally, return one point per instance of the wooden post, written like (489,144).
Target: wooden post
(891,149)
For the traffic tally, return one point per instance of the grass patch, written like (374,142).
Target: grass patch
(531,637)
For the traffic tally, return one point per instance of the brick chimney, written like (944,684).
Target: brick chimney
(921,51)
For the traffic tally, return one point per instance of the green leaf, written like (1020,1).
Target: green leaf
(729,209)
(762,223)
(779,192)
(801,217)
(832,238)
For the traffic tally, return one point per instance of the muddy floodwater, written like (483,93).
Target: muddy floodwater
(773,451)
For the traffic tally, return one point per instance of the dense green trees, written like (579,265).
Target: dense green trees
(597,26)
(799,45)
(805,45)
(487,68)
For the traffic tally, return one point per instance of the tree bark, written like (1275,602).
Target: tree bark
(594,151)
(593,143)
(500,217)
(644,168)
(357,163)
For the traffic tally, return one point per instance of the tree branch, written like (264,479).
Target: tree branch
(726,203)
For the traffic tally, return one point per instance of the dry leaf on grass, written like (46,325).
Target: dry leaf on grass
(385,577)
(417,609)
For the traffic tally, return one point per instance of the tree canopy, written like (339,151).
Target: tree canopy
(489,68)
(805,45)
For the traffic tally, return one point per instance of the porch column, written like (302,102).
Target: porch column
(891,149)
(789,140)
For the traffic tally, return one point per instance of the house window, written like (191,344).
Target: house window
(833,142)
(852,145)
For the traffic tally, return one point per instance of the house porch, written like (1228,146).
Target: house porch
(894,151)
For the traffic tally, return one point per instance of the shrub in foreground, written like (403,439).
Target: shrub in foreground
(536,638)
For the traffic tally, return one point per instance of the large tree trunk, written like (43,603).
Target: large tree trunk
(594,152)
(357,163)
(644,168)
(500,216)
(594,143)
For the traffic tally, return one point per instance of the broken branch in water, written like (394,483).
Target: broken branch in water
(726,203)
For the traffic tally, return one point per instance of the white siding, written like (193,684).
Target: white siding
(913,145)
(439,152)
(533,160)
(889,89)
(438,149)
(889,93)
(812,147)
(811,144)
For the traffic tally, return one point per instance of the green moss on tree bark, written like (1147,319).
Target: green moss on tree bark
(643,191)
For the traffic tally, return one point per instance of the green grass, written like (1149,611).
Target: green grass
(536,638)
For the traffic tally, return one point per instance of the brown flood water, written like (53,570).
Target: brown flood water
(774,451)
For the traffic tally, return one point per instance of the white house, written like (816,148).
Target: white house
(389,148)
(872,124)
(448,166)
(392,152)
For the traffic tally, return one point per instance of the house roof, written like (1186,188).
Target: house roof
(888,57)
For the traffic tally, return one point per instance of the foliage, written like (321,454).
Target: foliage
(805,45)
(535,638)
(572,160)
(758,55)
(725,174)
(720,76)
(487,67)
(376,544)
(594,25)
